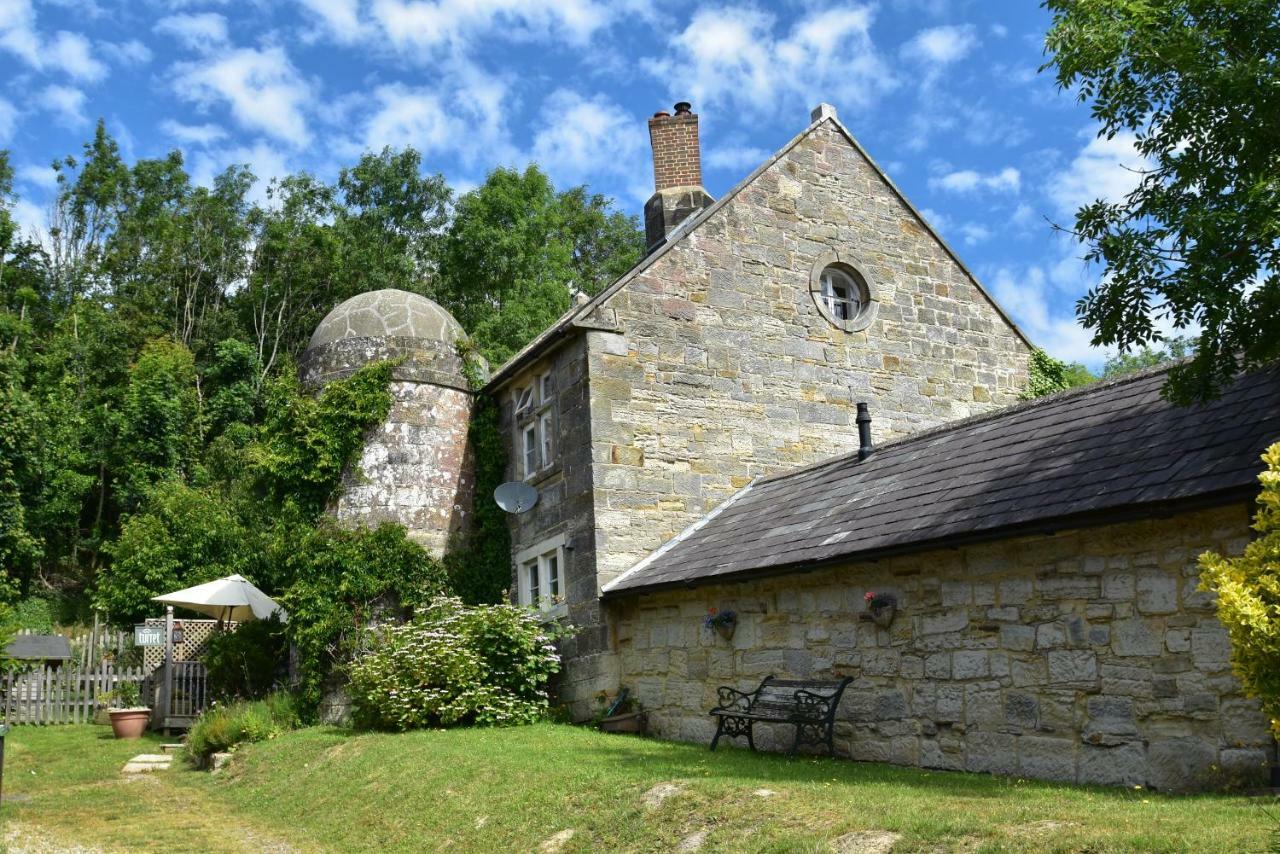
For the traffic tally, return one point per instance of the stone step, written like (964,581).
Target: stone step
(176,747)
(145,763)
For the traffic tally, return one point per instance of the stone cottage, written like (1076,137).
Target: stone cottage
(693,434)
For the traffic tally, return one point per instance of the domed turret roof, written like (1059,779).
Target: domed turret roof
(387,313)
(410,330)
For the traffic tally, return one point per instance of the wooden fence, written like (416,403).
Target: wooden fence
(68,694)
(90,644)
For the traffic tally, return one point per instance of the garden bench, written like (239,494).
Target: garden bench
(809,704)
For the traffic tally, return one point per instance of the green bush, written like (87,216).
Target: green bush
(244,664)
(223,727)
(348,580)
(35,613)
(455,665)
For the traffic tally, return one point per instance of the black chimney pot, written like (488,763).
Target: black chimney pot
(865,448)
(683,108)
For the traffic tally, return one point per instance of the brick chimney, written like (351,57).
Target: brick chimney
(677,174)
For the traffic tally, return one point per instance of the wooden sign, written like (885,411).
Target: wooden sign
(148,635)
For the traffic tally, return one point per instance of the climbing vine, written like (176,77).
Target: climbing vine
(479,564)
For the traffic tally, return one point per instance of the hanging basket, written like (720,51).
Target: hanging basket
(725,630)
(883,615)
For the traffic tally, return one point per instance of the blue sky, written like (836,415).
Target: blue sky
(944,94)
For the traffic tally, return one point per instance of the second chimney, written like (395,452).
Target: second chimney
(677,174)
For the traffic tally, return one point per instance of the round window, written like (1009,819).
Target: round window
(842,295)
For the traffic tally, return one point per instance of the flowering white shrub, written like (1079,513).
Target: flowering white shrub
(456,665)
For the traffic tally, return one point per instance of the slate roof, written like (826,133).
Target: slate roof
(39,647)
(1104,453)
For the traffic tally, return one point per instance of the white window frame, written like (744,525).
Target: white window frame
(841,294)
(534,413)
(533,577)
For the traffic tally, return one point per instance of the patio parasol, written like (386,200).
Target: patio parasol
(229,599)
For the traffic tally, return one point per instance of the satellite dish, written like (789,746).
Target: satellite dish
(515,496)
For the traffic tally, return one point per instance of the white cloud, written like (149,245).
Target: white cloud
(464,114)
(33,221)
(732,55)
(967,181)
(67,52)
(407,116)
(8,120)
(339,18)
(71,53)
(1029,296)
(18,31)
(974,233)
(66,103)
(262,88)
(999,30)
(37,176)
(424,25)
(735,158)
(940,46)
(937,219)
(582,138)
(132,52)
(202,32)
(204,134)
(1103,169)
(264,160)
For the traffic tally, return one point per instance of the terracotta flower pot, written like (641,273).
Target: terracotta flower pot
(129,723)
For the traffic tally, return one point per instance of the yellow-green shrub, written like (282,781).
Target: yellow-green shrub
(1248,589)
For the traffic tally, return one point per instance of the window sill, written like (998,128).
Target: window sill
(543,474)
(550,615)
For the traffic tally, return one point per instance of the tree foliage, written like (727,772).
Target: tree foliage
(1174,349)
(517,251)
(1248,589)
(1198,239)
(1047,375)
(153,433)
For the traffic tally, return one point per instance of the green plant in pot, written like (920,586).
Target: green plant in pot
(623,714)
(129,718)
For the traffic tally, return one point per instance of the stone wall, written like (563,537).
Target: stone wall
(415,468)
(723,368)
(1088,656)
(565,506)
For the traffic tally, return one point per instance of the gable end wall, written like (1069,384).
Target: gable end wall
(724,369)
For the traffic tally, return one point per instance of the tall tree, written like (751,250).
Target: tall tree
(389,219)
(1198,239)
(517,251)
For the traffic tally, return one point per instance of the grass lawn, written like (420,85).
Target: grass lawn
(516,789)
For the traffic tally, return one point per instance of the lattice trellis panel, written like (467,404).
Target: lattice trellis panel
(195,639)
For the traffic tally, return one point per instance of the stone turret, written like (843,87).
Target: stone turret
(415,469)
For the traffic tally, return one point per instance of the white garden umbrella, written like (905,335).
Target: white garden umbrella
(230,598)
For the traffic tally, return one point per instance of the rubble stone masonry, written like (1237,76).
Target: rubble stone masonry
(722,367)
(1088,656)
(414,469)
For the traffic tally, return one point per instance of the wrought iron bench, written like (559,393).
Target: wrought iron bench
(809,704)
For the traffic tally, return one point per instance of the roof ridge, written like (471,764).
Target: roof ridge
(991,415)
(679,234)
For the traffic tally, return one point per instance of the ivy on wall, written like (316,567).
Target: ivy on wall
(479,565)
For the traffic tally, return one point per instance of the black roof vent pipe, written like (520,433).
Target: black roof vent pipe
(865,448)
